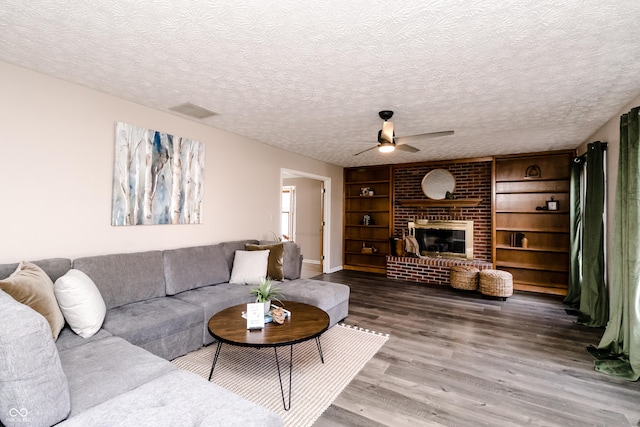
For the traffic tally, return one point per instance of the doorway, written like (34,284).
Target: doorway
(307,211)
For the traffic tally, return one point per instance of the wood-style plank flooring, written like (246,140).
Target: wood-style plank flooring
(455,358)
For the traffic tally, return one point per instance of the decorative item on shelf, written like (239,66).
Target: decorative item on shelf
(533,172)
(265,292)
(552,205)
(366,220)
(449,195)
(364,191)
(368,249)
(516,239)
(524,242)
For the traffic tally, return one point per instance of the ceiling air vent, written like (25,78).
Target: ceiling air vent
(191,110)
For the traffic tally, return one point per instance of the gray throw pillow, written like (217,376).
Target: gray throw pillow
(33,387)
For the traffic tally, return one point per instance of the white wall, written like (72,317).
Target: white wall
(57,151)
(308,216)
(610,133)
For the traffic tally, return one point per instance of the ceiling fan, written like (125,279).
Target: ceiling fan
(388,141)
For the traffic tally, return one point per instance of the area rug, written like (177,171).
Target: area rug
(252,373)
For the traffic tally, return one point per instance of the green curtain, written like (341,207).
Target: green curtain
(621,339)
(594,298)
(575,218)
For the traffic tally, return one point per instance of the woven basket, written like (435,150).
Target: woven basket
(496,283)
(464,277)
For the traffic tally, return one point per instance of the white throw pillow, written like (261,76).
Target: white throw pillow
(81,302)
(249,267)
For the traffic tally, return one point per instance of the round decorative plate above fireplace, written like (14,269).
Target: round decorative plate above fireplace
(437,183)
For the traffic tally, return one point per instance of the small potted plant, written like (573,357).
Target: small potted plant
(265,292)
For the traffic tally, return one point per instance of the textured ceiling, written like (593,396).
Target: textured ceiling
(310,77)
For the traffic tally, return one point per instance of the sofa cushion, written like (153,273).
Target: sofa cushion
(143,322)
(125,278)
(315,292)
(213,299)
(249,267)
(69,339)
(178,398)
(33,386)
(31,286)
(54,267)
(103,369)
(230,248)
(81,303)
(275,268)
(291,260)
(194,267)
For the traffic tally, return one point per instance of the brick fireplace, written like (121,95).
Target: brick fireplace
(473,181)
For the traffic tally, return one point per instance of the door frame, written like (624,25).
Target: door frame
(326,210)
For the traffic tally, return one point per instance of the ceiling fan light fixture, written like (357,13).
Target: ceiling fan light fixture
(386,147)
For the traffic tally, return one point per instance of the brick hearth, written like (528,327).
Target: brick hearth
(430,270)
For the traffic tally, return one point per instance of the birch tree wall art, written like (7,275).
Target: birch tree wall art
(157,178)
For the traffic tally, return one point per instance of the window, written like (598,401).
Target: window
(287,218)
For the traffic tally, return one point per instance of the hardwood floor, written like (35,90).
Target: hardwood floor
(456,358)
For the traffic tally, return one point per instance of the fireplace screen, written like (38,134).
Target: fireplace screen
(449,239)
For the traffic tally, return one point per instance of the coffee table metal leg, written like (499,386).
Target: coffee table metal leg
(284,404)
(215,359)
(319,349)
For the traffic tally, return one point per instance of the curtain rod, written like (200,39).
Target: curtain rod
(581,158)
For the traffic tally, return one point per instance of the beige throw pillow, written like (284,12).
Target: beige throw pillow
(275,267)
(31,286)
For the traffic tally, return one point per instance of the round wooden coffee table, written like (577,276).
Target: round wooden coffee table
(306,322)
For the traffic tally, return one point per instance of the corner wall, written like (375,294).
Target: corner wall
(57,145)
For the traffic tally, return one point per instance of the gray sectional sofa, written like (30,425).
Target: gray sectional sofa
(158,304)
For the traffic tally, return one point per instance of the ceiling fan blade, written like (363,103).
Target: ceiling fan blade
(387,131)
(406,147)
(368,149)
(422,136)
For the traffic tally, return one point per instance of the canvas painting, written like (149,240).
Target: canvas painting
(157,178)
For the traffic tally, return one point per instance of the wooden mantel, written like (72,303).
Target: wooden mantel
(429,203)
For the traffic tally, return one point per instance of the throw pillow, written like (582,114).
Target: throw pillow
(81,303)
(34,389)
(249,267)
(275,266)
(31,286)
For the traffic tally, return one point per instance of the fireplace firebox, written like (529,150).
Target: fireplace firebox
(448,239)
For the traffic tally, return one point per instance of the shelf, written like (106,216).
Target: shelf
(444,203)
(368,182)
(378,196)
(544,288)
(530,249)
(533,230)
(366,240)
(378,254)
(540,212)
(522,266)
(523,179)
(379,179)
(366,211)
